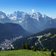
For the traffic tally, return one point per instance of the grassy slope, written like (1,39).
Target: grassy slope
(24,53)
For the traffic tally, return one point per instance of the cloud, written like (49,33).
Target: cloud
(33,10)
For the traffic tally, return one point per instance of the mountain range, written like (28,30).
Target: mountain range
(31,22)
(20,27)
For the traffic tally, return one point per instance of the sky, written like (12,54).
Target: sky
(47,7)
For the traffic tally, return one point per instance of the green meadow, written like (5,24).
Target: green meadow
(25,53)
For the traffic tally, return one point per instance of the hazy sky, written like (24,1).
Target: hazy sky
(47,7)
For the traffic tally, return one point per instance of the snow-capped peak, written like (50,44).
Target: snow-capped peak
(2,15)
(13,17)
(36,15)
